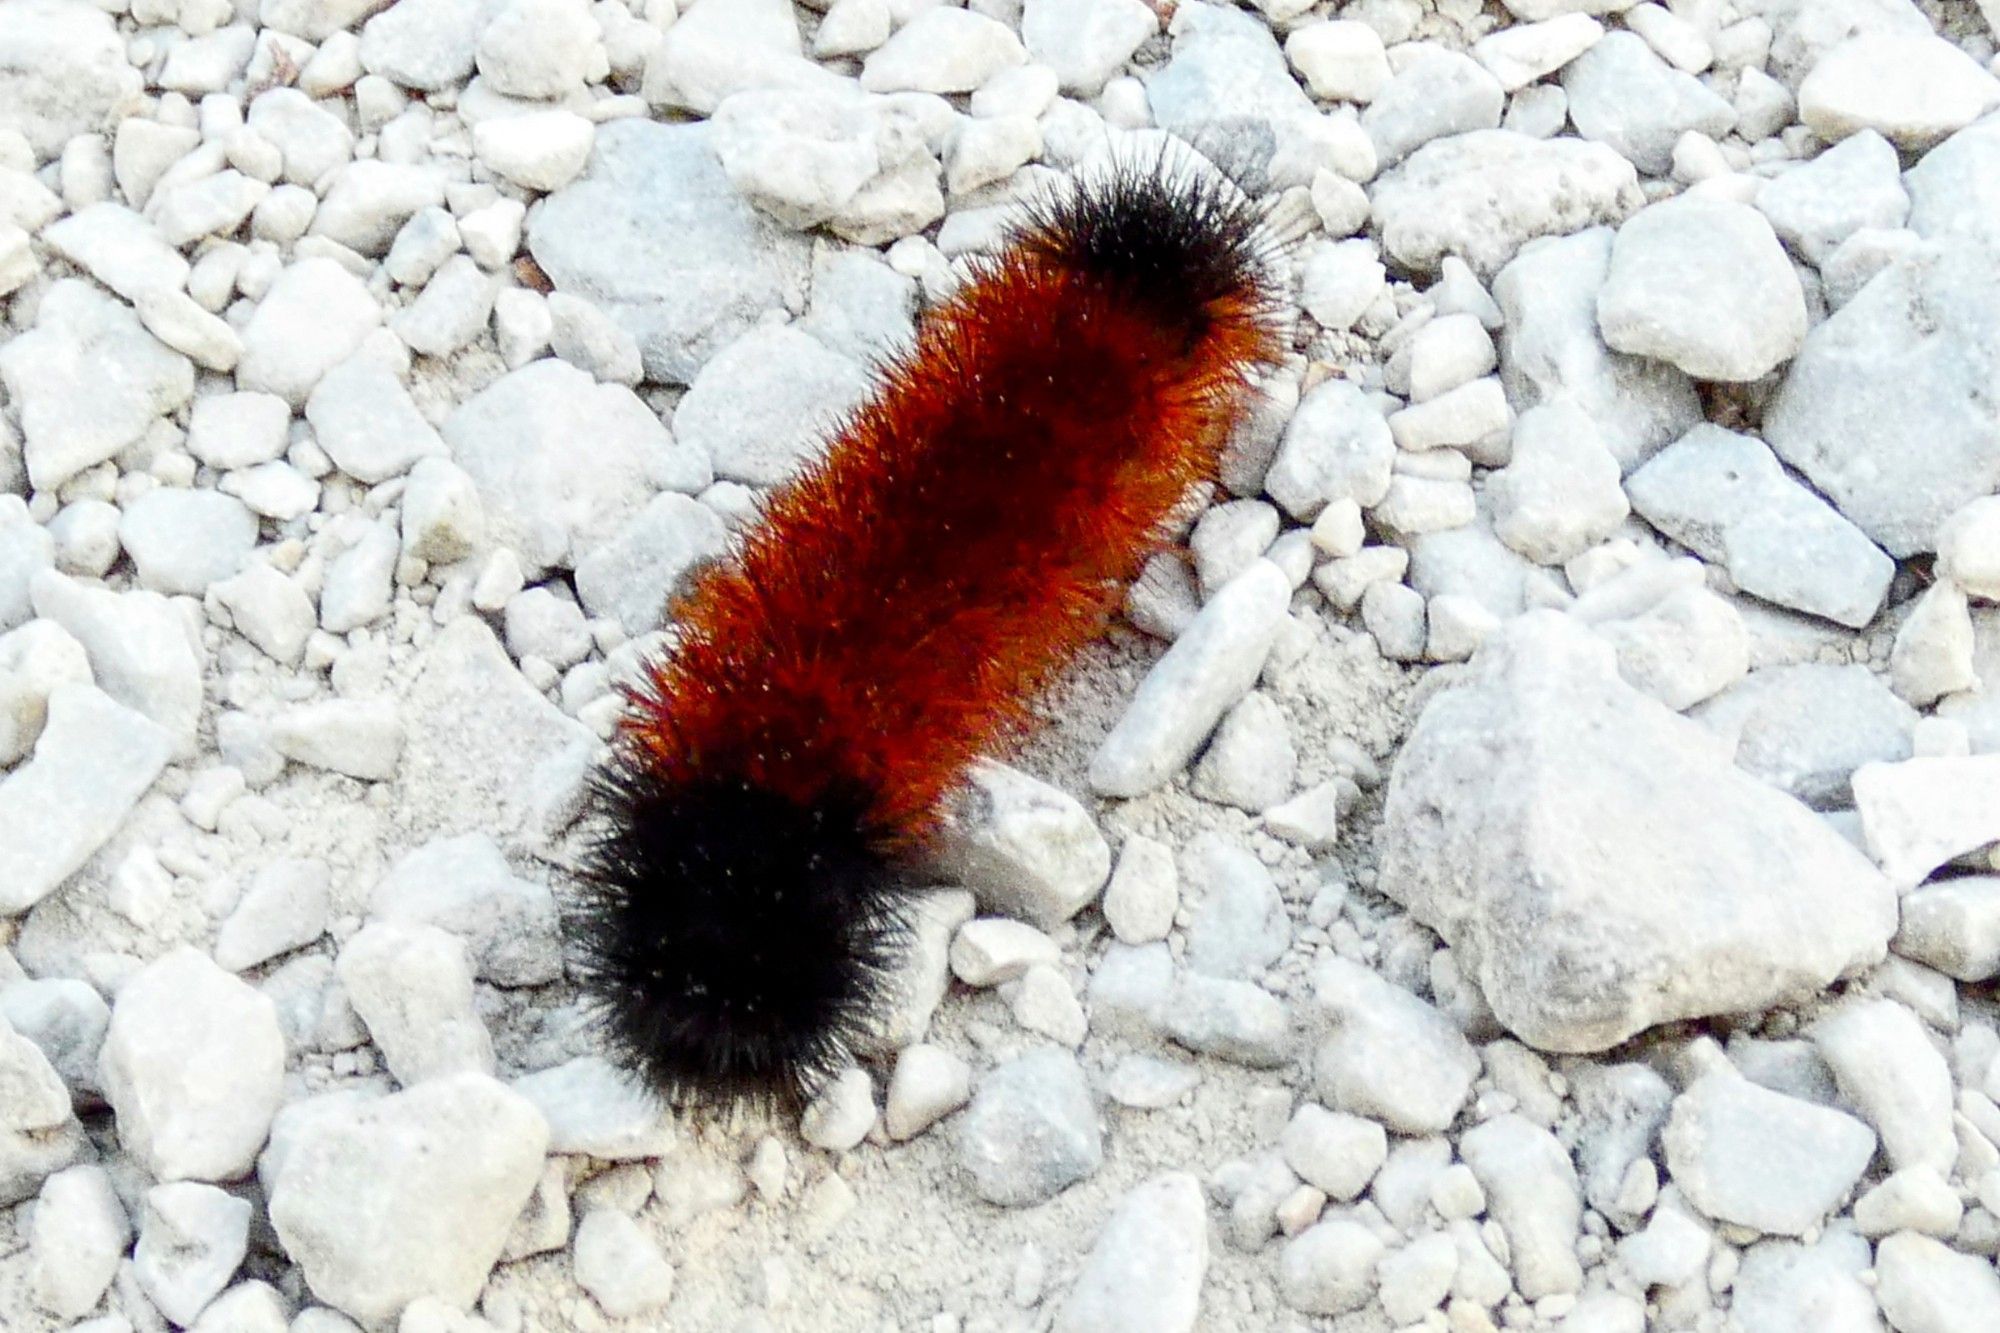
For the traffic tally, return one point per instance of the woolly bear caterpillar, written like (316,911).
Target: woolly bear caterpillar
(966,530)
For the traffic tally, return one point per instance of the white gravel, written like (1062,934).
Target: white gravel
(1364,945)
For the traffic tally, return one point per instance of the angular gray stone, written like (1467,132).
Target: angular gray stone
(1437,94)
(63,72)
(1227,75)
(1535,820)
(1484,195)
(1032,1130)
(182,541)
(428,45)
(1388,1055)
(1915,90)
(1336,446)
(284,908)
(1239,925)
(465,886)
(1925,1286)
(1532,1191)
(598,1110)
(1805,728)
(1854,184)
(1955,189)
(1787,1287)
(1145,1269)
(194,1067)
(26,548)
(139,649)
(192,1239)
(1920,813)
(73,416)
(1023,847)
(94,760)
(631,577)
(386,1200)
(654,236)
(78,1235)
(516,440)
(1909,357)
(1760,1159)
(1703,284)
(313,317)
(731,47)
(1211,665)
(367,422)
(412,985)
(763,404)
(1623,95)
(1550,348)
(1886,1068)
(1953,926)
(1724,496)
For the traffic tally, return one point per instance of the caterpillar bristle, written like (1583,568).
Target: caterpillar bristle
(1169,230)
(738,944)
(889,618)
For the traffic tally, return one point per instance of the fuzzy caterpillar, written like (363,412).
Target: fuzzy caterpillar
(892,615)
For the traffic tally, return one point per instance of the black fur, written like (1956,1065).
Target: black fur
(1168,231)
(736,943)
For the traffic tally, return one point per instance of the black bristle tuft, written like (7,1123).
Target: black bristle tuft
(737,944)
(1168,230)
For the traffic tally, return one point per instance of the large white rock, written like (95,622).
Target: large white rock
(1550,349)
(1912,90)
(87,381)
(1909,357)
(1725,497)
(1145,1270)
(1702,283)
(1024,848)
(93,762)
(763,404)
(654,235)
(1920,813)
(194,1067)
(1537,820)
(1388,1055)
(516,439)
(139,648)
(465,886)
(383,1201)
(1744,1154)
(63,72)
(1484,195)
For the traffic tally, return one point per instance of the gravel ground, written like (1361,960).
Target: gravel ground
(1528,861)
